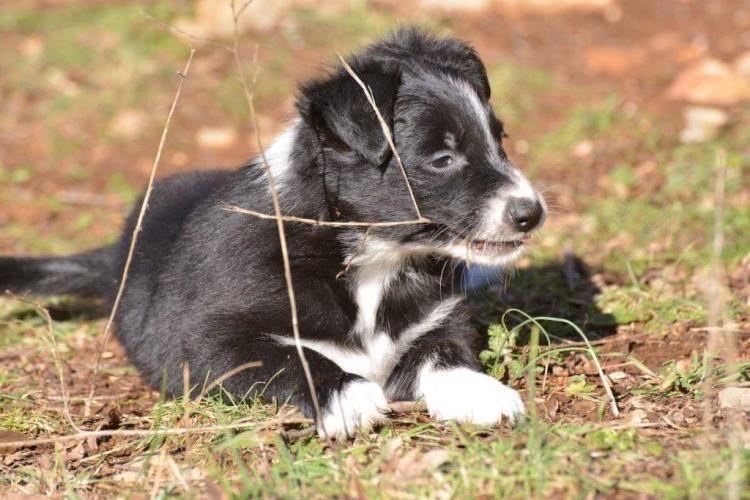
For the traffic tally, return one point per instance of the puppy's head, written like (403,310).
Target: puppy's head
(434,95)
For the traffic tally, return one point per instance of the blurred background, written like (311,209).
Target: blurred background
(626,113)
(618,109)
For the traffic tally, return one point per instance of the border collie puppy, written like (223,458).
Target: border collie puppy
(206,285)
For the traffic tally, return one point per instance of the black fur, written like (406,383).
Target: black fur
(206,285)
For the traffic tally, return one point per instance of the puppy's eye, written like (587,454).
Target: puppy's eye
(443,161)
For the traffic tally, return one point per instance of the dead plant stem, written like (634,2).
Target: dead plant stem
(136,231)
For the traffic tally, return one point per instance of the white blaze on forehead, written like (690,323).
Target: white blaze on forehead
(522,188)
(482,116)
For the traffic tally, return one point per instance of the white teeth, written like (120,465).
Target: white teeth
(495,247)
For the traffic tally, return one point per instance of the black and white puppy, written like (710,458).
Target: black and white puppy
(206,285)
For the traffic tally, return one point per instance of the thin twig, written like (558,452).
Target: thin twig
(234,371)
(277,213)
(174,431)
(136,231)
(394,407)
(386,132)
(178,32)
(317,222)
(177,474)
(720,338)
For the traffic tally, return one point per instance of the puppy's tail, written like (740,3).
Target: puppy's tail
(87,274)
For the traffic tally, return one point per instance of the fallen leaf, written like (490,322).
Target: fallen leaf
(613,61)
(710,82)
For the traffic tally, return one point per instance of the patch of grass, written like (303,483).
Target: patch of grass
(111,54)
(583,122)
(405,457)
(653,308)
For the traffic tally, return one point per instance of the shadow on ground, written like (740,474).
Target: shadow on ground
(562,289)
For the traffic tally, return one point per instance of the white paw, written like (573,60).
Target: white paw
(360,405)
(464,395)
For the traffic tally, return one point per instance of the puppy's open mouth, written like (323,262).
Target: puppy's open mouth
(490,247)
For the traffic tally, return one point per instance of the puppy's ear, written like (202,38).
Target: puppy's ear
(338,109)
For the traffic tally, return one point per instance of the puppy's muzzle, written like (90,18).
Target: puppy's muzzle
(524,214)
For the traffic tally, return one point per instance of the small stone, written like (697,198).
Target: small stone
(463,5)
(615,376)
(32,46)
(583,149)
(128,124)
(216,137)
(742,64)
(702,124)
(737,398)
(179,158)
(636,417)
(521,147)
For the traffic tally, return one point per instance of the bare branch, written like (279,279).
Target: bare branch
(386,132)
(234,371)
(174,431)
(137,230)
(279,221)
(316,222)
(395,407)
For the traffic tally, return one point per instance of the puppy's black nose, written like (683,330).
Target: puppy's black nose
(524,213)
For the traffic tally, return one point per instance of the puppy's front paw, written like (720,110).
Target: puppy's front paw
(361,404)
(465,395)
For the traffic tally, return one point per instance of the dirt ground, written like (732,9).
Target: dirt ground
(626,255)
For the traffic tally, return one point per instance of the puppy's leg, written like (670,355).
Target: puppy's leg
(348,402)
(446,374)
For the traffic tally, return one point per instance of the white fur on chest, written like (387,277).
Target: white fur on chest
(379,352)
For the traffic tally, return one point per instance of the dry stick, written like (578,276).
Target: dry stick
(182,33)
(728,344)
(386,132)
(158,468)
(177,474)
(234,371)
(395,407)
(278,216)
(713,290)
(174,431)
(317,222)
(136,231)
